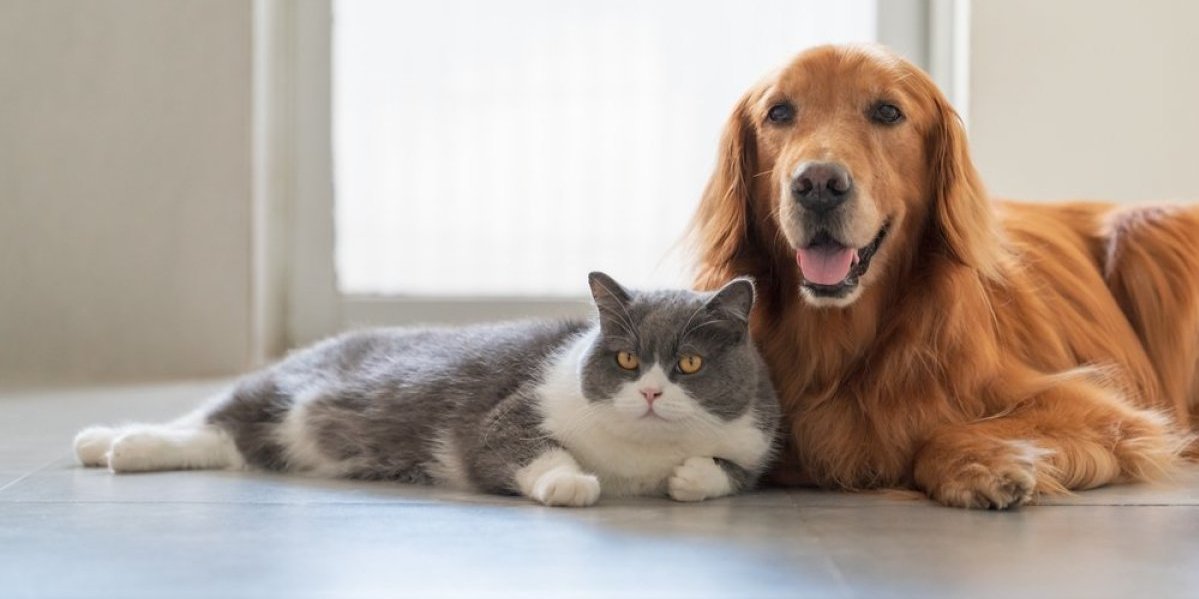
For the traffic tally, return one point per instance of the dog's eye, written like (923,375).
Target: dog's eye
(887,114)
(782,112)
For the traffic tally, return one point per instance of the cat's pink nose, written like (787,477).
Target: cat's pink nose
(651,393)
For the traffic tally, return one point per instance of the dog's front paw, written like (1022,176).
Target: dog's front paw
(566,487)
(1001,479)
(698,479)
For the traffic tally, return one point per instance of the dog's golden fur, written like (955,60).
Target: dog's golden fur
(997,351)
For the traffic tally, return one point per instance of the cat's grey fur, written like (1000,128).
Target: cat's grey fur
(476,407)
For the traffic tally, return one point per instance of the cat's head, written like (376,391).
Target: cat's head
(671,358)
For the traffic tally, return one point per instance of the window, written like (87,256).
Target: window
(486,155)
(505,149)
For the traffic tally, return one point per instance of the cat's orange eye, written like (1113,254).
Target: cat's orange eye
(627,361)
(690,364)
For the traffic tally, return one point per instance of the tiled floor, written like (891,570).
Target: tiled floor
(69,532)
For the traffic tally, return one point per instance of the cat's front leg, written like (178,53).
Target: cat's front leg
(555,478)
(514,455)
(698,479)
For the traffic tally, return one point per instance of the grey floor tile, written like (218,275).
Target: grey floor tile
(223,550)
(1181,489)
(9,478)
(1037,552)
(71,483)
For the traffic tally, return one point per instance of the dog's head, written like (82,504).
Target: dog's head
(847,163)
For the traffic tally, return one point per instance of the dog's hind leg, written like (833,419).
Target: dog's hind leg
(1152,269)
(1072,434)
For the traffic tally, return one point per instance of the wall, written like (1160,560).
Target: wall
(1086,98)
(125,189)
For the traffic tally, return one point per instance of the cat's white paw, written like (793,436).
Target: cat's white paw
(92,444)
(698,479)
(566,487)
(138,451)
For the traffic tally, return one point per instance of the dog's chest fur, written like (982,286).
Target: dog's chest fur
(850,432)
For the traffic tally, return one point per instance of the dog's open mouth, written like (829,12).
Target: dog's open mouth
(831,269)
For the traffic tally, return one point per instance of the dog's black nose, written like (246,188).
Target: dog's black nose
(821,186)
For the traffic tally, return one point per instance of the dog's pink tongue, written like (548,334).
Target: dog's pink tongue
(825,265)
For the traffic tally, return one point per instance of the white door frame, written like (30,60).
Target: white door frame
(296,299)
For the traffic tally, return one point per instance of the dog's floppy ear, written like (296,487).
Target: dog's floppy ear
(962,213)
(722,228)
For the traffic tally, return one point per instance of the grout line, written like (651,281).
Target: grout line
(28,474)
(1190,504)
(380,502)
(290,503)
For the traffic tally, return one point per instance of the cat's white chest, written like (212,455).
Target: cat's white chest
(623,467)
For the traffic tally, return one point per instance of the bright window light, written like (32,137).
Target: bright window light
(490,149)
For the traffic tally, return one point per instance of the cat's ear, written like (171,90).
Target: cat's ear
(734,300)
(611,299)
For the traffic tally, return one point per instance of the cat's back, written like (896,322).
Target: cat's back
(444,357)
(372,403)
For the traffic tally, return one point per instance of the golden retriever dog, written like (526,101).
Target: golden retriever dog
(919,334)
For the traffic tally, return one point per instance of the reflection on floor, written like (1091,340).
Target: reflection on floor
(66,531)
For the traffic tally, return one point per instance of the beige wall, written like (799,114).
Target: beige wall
(1086,98)
(125,189)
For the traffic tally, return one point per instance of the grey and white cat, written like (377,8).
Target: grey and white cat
(663,393)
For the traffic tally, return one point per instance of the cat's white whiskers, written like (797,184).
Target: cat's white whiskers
(698,327)
(624,321)
(687,326)
(583,421)
(626,318)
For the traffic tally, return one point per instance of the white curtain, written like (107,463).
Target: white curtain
(507,148)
